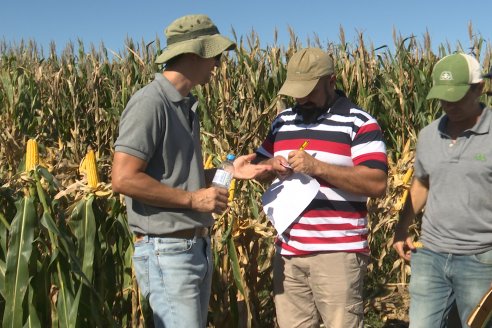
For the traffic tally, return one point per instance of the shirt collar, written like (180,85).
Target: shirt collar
(481,127)
(483,124)
(169,89)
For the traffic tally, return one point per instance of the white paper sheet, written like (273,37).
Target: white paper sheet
(285,200)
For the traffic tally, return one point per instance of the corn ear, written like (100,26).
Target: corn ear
(91,169)
(232,187)
(406,179)
(32,155)
(83,166)
(208,162)
(407,176)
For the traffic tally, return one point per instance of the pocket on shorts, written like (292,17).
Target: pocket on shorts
(362,259)
(356,308)
(141,267)
(354,316)
(484,258)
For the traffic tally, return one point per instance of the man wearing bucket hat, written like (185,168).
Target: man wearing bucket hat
(158,166)
(453,181)
(321,258)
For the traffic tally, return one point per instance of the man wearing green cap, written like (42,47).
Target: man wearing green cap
(158,166)
(453,181)
(321,258)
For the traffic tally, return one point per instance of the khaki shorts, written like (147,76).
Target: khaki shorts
(326,285)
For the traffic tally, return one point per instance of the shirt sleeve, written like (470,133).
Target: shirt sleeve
(141,127)
(419,169)
(368,147)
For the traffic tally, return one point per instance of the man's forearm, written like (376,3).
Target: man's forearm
(414,204)
(360,180)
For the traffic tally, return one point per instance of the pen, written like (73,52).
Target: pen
(304,145)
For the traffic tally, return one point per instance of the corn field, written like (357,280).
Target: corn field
(65,246)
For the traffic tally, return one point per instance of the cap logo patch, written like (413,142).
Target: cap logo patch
(446,76)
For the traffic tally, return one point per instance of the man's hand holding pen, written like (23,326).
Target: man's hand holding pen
(302,162)
(297,161)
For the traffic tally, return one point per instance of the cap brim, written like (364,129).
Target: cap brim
(205,47)
(297,89)
(448,92)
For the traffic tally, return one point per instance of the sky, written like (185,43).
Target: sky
(113,21)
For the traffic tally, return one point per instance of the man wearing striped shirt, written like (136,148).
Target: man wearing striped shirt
(321,259)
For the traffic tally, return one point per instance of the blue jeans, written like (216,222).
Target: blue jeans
(175,275)
(439,279)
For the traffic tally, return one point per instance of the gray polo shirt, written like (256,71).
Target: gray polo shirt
(458,213)
(161,127)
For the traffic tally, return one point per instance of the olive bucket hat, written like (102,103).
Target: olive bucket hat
(195,34)
(304,70)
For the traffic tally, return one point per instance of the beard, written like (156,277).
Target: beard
(309,113)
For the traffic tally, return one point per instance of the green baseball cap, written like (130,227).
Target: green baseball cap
(195,34)
(304,70)
(452,77)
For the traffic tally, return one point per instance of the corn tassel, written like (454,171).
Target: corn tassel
(32,155)
(91,169)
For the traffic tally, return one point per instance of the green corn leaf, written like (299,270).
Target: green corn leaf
(65,297)
(3,267)
(32,319)
(127,277)
(236,272)
(18,255)
(74,310)
(83,225)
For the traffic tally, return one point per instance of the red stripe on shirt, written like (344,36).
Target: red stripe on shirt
(268,146)
(327,226)
(332,213)
(314,145)
(368,128)
(329,240)
(381,157)
(296,251)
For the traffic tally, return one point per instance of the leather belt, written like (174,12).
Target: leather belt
(199,232)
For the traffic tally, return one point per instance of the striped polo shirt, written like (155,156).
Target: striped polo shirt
(345,135)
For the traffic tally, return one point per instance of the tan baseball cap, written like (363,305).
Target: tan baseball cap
(194,34)
(304,70)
